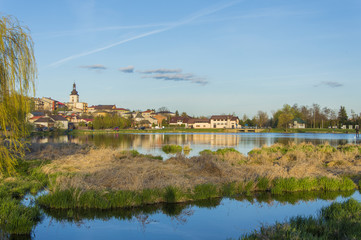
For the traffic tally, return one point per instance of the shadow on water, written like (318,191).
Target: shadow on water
(179,213)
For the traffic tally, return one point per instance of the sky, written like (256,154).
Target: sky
(202,57)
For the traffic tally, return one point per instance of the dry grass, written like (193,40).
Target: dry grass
(110,169)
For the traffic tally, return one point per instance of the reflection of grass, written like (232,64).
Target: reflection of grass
(337,221)
(172,149)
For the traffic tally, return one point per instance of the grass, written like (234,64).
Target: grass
(337,221)
(16,218)
(172,149)
(76,198)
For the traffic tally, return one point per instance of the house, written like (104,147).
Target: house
(122,112)
(147,114)
(159,119)
(60,121)
(224,121)
(297,123)
(105,108)
(52,121)
(179,121)
(49,104)
(44,122)
(199,123)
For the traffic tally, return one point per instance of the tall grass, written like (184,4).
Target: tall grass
(16,218)
(75,198)
(337,221)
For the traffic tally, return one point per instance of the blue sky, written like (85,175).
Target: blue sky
(203,57)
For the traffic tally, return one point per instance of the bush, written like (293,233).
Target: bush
(172,149)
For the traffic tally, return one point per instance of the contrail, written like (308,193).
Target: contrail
(202,13)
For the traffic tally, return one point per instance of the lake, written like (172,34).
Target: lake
(244,142)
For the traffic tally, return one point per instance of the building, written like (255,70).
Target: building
(297,123)
(74,103)
(199,123)
(224,121)
(179,121)
(52,121)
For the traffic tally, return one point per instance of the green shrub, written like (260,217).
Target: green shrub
(223,151)
(205,152)
(172,149)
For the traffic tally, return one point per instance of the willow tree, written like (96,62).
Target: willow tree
(17,78)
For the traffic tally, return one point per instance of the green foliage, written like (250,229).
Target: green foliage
(16,218)
(172,194)
(17,75)
(172,149)
(263,184)
(223,151)
(206,152)
(205,191)
(111,121)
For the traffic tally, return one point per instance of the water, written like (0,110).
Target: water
(244,142)
(215,219)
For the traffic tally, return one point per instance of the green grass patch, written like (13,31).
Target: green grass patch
(172,149)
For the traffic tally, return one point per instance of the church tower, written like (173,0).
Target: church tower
(74,96)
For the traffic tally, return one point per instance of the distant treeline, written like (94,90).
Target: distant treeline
(314,117)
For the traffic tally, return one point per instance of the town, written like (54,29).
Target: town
(51,114)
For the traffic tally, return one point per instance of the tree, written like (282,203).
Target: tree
(163,109)
(176,113)
(261,118)
(342,116)
(284,119)
(17,80)
(184,114)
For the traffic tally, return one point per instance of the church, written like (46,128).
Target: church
(74,103)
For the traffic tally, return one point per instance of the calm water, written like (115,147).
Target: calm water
(216,219)
(244,142)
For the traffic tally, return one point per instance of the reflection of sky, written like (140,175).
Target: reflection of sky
(230,219)
(243,142)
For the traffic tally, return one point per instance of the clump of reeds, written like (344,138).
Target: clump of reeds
(281,185)
(172,149)
(337,221)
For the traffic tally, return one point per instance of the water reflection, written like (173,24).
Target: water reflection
(243,142)
(212,219)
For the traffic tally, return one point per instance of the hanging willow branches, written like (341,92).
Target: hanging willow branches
(17,78)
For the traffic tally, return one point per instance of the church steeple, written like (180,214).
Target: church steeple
(74,92)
